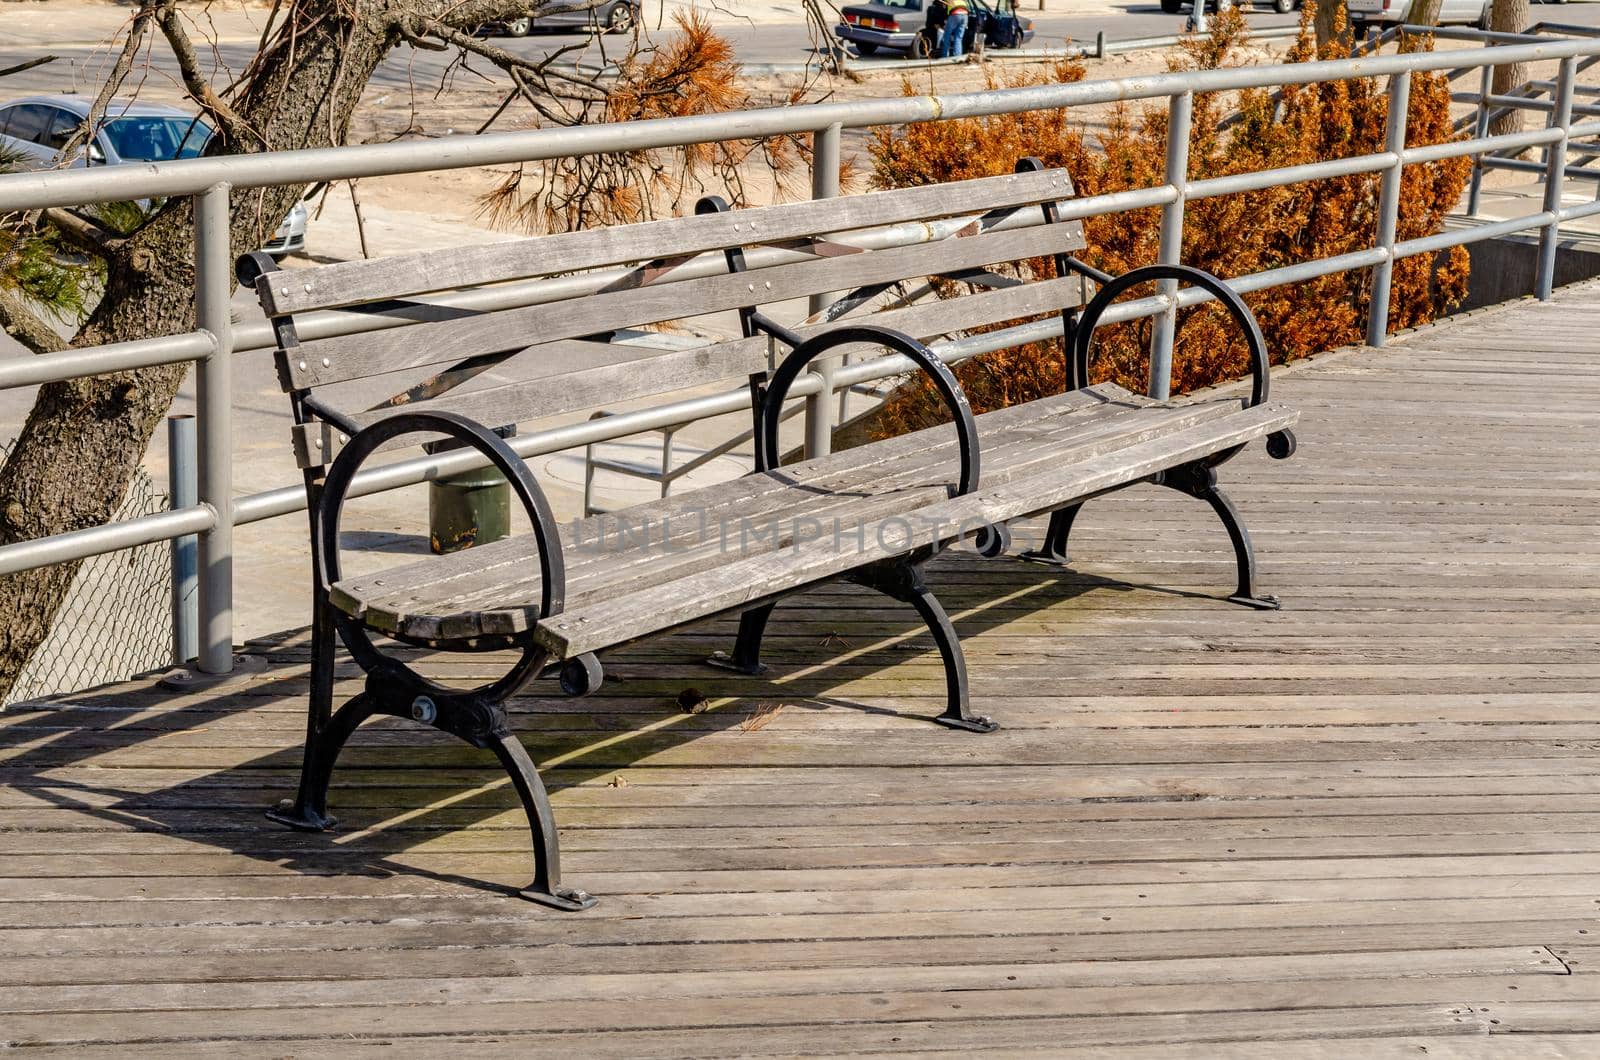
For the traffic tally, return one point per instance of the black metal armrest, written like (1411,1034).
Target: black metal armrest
(770,408)
(1259,366)
(552,571)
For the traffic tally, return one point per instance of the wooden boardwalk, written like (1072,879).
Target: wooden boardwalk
(1373,815)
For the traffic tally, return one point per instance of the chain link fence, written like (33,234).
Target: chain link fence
(116,620)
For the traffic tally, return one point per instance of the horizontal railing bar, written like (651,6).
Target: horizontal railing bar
(1235,183)
(26,191)
(1471,234)
(1522,165)
(97,360)
(95,540)
(1550,86)
(1508,103)
(1566,29)
(1582,210)
(287,499)
(1502,142)
(1467,33)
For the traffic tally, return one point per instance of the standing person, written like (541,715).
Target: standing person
(953,44)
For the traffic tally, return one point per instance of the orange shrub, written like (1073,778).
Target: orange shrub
(1229,235)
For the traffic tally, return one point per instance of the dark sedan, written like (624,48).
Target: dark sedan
(912,26)
(608,16)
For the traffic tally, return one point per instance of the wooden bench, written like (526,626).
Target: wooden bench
(532,317)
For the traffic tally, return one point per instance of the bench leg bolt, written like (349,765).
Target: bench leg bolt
(566,899)
(974,723)
(285,813)
(1260,603)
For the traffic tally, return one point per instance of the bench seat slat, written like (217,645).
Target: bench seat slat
(357,282)
(621,617)
(367,354)
(625,374)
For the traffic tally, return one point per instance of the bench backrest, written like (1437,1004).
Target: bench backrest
(547,322)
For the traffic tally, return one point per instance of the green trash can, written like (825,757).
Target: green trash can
(472,508)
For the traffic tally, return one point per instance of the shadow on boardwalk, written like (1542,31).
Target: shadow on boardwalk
(1368,822)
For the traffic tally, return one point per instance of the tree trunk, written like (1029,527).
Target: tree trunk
(1508,16)
(1332,21)
(1425,13)
(77,452)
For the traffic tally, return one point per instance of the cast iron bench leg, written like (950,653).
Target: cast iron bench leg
(477,719)
(546,888)
(1054,549)
(747,647)
(903,581)
(1200,480)
(308,811)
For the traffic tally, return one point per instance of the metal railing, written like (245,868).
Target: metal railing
(209,182)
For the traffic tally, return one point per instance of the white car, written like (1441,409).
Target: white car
(36,128)
(1451,13)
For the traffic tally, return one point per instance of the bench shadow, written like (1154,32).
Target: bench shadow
(379,787)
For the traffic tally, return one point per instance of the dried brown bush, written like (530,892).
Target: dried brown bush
(1230,235)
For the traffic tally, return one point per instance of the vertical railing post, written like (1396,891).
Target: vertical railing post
(1394,142)
(1480,130)
(1555,179)
(213,265)
(181,493)
(824,185)
(1180,113)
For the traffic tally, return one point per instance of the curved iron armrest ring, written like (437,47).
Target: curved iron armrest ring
(552,571)
(943,380)
(1280,444)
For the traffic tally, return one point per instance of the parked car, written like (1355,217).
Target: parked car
(1365,13)
(1282,7)
(1376,12)
(36,128)
(609,16)
(904,25)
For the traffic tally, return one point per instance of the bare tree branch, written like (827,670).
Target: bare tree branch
(83,233)
(542,69)
(119,73)
(234,129)
(26,326)
(29,65)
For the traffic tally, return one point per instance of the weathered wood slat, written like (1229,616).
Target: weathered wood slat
(351,283)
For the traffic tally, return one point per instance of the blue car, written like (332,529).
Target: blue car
(35,130)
